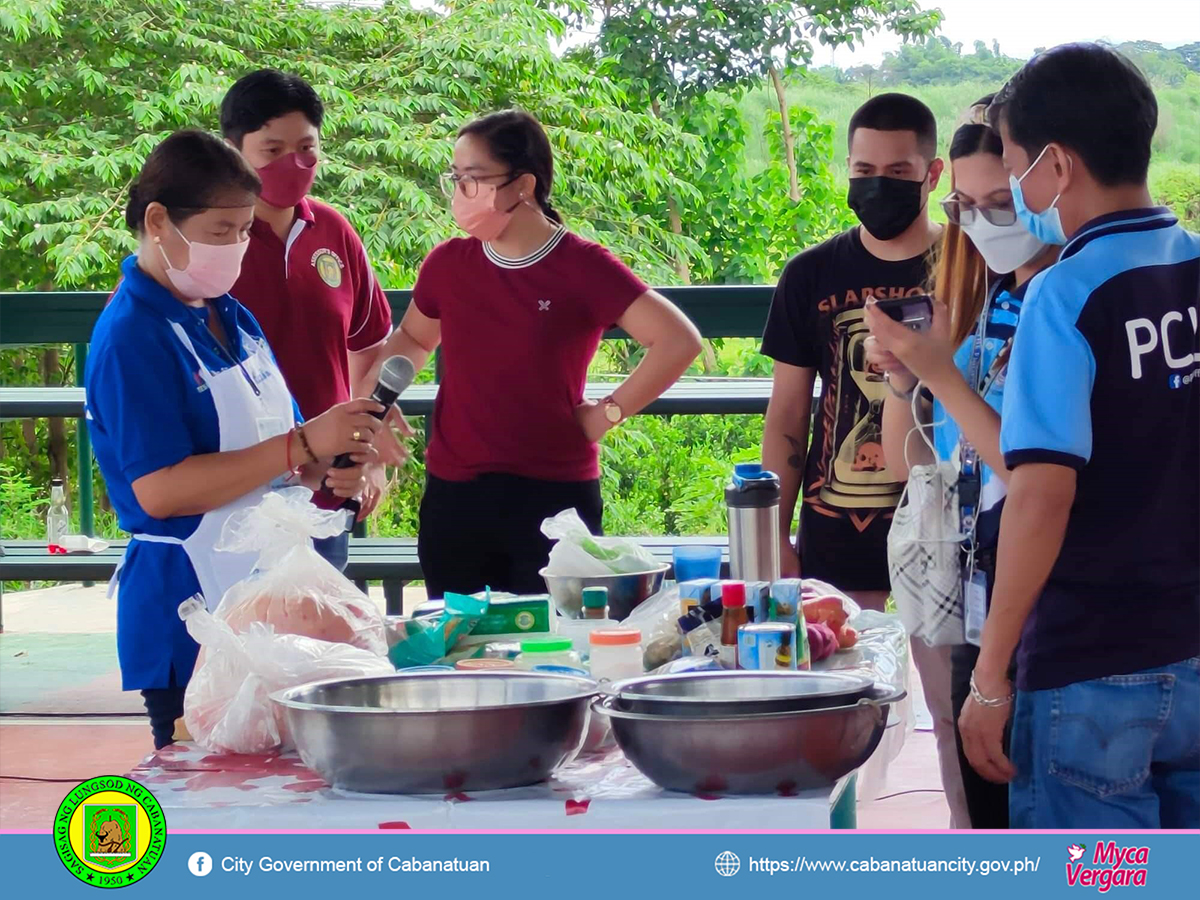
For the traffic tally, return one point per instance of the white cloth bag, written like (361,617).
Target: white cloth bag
(924,550)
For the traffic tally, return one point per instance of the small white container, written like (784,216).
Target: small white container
(616,653)
(577,631)
(547,652)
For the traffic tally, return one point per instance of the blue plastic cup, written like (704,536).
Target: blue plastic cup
(693,562)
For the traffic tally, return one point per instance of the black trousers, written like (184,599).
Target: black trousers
(987,802)
(487,532)
(164,706)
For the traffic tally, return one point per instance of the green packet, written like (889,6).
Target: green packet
(510,618)
(422,642)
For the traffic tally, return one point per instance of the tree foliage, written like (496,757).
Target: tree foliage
(670,50)
(93,85)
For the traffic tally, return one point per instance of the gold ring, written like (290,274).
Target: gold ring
(357,436)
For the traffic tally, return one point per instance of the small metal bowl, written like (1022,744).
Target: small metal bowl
(738,693)
(772,753)
(437,732)
(625,591)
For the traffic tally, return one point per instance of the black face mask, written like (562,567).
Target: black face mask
(885,206)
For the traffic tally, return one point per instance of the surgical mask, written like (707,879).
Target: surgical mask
(478,215)
(287,180)
(1005,248)
(885,206)
(211,270)
(1046,225)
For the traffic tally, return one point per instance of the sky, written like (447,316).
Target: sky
(1022,25)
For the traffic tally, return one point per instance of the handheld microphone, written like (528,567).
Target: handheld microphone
(396,375)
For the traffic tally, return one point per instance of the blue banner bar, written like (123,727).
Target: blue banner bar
(633,866)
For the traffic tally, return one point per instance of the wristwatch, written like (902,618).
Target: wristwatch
(612,411)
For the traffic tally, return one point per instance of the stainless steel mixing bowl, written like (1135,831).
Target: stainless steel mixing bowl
(624,591)
(738,693)
(771,753)
(437,732)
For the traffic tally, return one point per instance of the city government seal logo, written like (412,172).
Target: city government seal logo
(329,266)
(110,831)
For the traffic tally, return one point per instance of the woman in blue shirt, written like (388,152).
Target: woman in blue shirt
(189,415)
(961,361)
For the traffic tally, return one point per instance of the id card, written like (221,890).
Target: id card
(269,427)
(975,607)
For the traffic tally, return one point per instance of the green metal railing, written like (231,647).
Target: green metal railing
(68,317)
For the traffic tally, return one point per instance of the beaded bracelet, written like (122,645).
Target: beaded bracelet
(304,443)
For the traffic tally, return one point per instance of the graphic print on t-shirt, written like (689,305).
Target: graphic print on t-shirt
(817,322)
(852,478)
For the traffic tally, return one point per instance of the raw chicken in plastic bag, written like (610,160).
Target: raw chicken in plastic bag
(578,552)
(292,589)
(227,706)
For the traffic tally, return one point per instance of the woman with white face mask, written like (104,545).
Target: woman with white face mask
(189,415)
(519,307)
(986,262)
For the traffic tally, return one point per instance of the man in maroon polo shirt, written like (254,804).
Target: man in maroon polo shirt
(305,276)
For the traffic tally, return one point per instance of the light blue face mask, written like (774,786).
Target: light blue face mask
(1046,225)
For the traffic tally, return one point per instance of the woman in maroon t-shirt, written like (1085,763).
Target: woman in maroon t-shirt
(519,308)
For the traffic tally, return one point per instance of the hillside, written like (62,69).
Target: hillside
(949,81)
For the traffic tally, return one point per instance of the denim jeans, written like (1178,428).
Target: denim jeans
(1116,752)
(334,550)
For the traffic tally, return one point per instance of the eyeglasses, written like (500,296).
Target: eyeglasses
(469,184)
(961,212)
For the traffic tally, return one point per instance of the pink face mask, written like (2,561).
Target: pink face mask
(211,269)
(287,180)
(478,215)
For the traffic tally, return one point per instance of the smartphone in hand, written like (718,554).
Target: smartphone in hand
(913,312)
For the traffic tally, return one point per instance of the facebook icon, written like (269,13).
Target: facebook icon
(200,864)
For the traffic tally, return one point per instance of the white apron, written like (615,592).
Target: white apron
(245,418)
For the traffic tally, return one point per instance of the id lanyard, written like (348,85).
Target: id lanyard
(970,484)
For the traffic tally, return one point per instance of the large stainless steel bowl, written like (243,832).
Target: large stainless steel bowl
(437,732)
(771,753)
(738,693)
(624,591)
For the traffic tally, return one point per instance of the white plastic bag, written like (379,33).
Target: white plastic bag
(578,553)
(227,706)
(292,589)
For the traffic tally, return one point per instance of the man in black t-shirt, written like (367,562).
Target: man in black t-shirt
(816,327)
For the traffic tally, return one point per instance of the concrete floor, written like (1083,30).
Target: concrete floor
(66,718)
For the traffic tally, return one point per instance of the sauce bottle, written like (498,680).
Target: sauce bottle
(595,602)
(733,616)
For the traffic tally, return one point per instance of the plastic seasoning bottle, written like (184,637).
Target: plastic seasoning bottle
(616,653)
(547,652)
(733,616)
(595,603)
(58,517)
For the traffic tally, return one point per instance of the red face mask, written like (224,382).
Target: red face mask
(287,180)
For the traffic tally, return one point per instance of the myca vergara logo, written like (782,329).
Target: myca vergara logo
(110,831)
(1110,866)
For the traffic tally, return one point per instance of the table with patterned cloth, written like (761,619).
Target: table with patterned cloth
(215,792)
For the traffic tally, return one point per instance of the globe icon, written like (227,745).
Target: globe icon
(728,863)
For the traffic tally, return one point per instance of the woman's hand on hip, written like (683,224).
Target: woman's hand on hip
(591,418)
(345,428)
